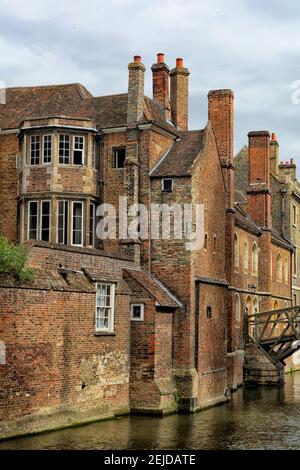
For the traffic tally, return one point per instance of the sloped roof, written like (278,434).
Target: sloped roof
(74,100)
(154,287)
(180,157)
(279,239)
(243,220)
(41,101)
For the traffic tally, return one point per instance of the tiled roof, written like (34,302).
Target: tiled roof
(73,100)
(33,102)
(110,111)
(154,287)
(180,157)
(277,238)
(243,220)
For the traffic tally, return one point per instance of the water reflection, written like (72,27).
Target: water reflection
(261,418)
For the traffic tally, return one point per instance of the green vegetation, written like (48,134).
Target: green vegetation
(13,260)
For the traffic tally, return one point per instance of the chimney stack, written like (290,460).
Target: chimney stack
(179,77)
(274,154)
(160,80)
(259,196)
(135,101)
(220,115)
(288,169)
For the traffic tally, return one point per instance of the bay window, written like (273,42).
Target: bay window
(77,223)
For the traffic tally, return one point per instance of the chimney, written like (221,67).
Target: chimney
(160,80)
(288,169)
(274,154)
(135,101)
(220,115)
(179,77)
(259,197)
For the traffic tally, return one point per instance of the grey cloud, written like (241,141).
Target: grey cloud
(250,46)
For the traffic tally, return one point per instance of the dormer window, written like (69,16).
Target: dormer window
(167,185)
(119,155)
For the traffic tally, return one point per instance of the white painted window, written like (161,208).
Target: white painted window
(63,222)
(78,150)
(105,301)
(137,312)
(47,148)
(45,220)
(77,223)
(35,150)
(64,149)
(33,220)
(92,224)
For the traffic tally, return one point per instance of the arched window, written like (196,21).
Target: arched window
(286,270)
(237,308)
(205,241)
(215,243)
(236,252)
(279,268)
(254,259)
(255,305)
(246,257)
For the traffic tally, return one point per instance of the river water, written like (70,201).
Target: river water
(253,419)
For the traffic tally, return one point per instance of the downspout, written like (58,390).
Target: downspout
(197,313)
(282,213)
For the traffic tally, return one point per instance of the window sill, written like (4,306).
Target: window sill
(104,333)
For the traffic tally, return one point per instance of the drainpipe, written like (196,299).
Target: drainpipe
(282,215)
(197,312)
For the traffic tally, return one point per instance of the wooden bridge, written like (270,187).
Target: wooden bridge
(277,332)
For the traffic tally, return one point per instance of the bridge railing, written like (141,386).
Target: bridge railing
(282,324)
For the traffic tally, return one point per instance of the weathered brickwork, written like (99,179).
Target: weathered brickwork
(187,350)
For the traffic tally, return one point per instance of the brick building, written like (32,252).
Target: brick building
(134,324)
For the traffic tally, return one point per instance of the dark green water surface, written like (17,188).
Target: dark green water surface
(254,419)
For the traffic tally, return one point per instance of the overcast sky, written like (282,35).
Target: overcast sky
(250,46)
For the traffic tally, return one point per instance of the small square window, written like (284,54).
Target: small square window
(167,185)
(137,312)
(119,156)
(208,312)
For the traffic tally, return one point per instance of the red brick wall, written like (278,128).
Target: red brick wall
(9,148)
(54,360)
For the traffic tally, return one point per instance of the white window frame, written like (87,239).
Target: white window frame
(94,224)
(57,219)
(28,220)
(41,219)
(163,182)
(111,321)
(141,318)
(43,149)
(70,148)
(72,205)
(81,150)
(39,148)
